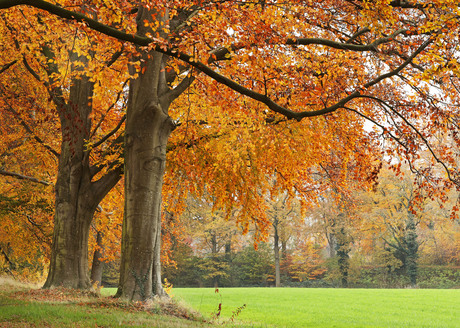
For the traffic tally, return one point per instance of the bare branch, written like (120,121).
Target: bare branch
(422,137)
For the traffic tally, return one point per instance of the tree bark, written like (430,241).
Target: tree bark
(75,204)
(98,265)
(277,254)
(147,131)
(148,127)
(69,258)
(157,283)
(343,249)
(77,196)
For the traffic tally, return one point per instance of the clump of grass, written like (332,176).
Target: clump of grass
(172,307)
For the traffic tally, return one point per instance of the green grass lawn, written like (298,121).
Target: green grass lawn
(265,307)
(308,307)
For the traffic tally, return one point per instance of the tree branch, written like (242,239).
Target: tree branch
(32,72)
(6,66)
(107,182)
(422,137)
(68,14)
(358,34)
(111,133)
(345,46)
(145,41)
(24,177)
(109,109)
(181,87)
(115,57)
(96,168)
(8,260)
(29,130)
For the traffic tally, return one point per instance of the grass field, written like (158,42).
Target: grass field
(308,307)
(264,307)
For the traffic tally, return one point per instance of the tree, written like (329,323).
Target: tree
(25,212)
(83,179)
(25,202)
(104,243)
(385,36)
(213,236)
(254,266)
(307,262)
(390,212)
(281,211)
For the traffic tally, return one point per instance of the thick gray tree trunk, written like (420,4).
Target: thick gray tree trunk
(148,127)
(76,195)
(75,202)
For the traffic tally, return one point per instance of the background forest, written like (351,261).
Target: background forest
(375,242)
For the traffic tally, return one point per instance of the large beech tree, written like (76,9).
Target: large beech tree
(338,61)
(148,127)
(60,73)
(77,196)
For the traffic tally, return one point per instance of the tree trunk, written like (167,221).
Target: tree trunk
(148,127)
(145,156)
(69,258)
(157,283)
(343,248)
(229,260)
(277,254)
(283,249)
(76,195)
(97,266)
(331,244)
(215,259)
(343,260)
(412,245)
(75,203)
